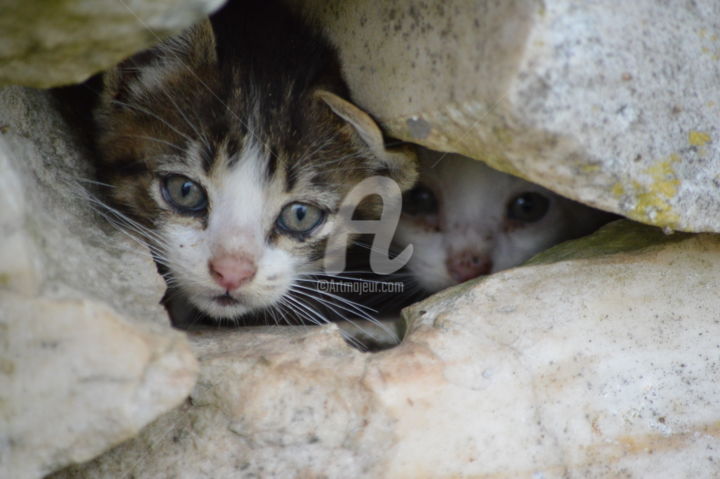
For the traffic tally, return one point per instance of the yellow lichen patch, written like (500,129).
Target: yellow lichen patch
(651,203)
(664,179)
(504,135)
(652,207)
(618,190)
(590,168)
(698,138)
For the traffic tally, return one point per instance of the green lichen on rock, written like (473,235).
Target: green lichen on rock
(616,237)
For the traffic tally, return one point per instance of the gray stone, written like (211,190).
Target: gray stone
(87,356)
(77,378)
(601,367)
(49,43)
(598,359)
(613,104)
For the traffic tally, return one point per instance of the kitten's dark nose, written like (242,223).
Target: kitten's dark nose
(231,272)
(468,264)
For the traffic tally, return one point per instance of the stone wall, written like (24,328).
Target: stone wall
(87,356)
(590,368)
(598,359)
(610,103)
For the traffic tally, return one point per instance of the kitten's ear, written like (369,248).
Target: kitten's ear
(400,162)
(193,48)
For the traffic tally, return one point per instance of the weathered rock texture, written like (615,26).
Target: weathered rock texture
(596,367)
(613,104)
(47,43)
(76,377)
(603,365)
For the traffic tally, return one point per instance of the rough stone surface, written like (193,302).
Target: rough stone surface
(76,377)
(613,104)
(600,359)
(596,367)
(47,43)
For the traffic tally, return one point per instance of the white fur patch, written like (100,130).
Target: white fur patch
(241,210)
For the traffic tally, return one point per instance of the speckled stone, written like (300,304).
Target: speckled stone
(87,356)
(613,104)
(47,43)
(592,368)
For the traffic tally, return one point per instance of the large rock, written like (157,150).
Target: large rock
(77,378)
(77,373)
(595,367)
(613,104)
(46,43)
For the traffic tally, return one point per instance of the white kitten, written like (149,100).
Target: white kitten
(466,219)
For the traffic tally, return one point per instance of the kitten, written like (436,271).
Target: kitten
(228,148)
(466,219)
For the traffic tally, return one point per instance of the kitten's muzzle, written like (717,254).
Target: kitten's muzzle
(231,271)
(226,300)
(468,264)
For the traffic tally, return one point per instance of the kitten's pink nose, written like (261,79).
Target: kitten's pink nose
(468,264)
(231,272)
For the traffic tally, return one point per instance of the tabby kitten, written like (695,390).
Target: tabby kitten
(229,148)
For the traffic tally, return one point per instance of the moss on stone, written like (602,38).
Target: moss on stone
(616,237)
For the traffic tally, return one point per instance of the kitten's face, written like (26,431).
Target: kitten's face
(236,193)
(466,220)
(252,234)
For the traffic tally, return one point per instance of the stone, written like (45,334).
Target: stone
(48,43)
(615,105)
(597,359)
(601,366)
(87,356)
(76,378)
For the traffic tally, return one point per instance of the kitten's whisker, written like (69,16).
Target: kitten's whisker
(358,308)
(333,307)
(272,310)
(319,319)
(340,159)
(352,307)
(348,336)
(393,249)
(153,115)
(192,126)
(123,219)
(309,312)
(317,150)
(80,179)
(324,320)
(347,278)
(157,140)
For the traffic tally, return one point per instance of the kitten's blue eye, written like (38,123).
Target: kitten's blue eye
(300,218)
(183,194)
